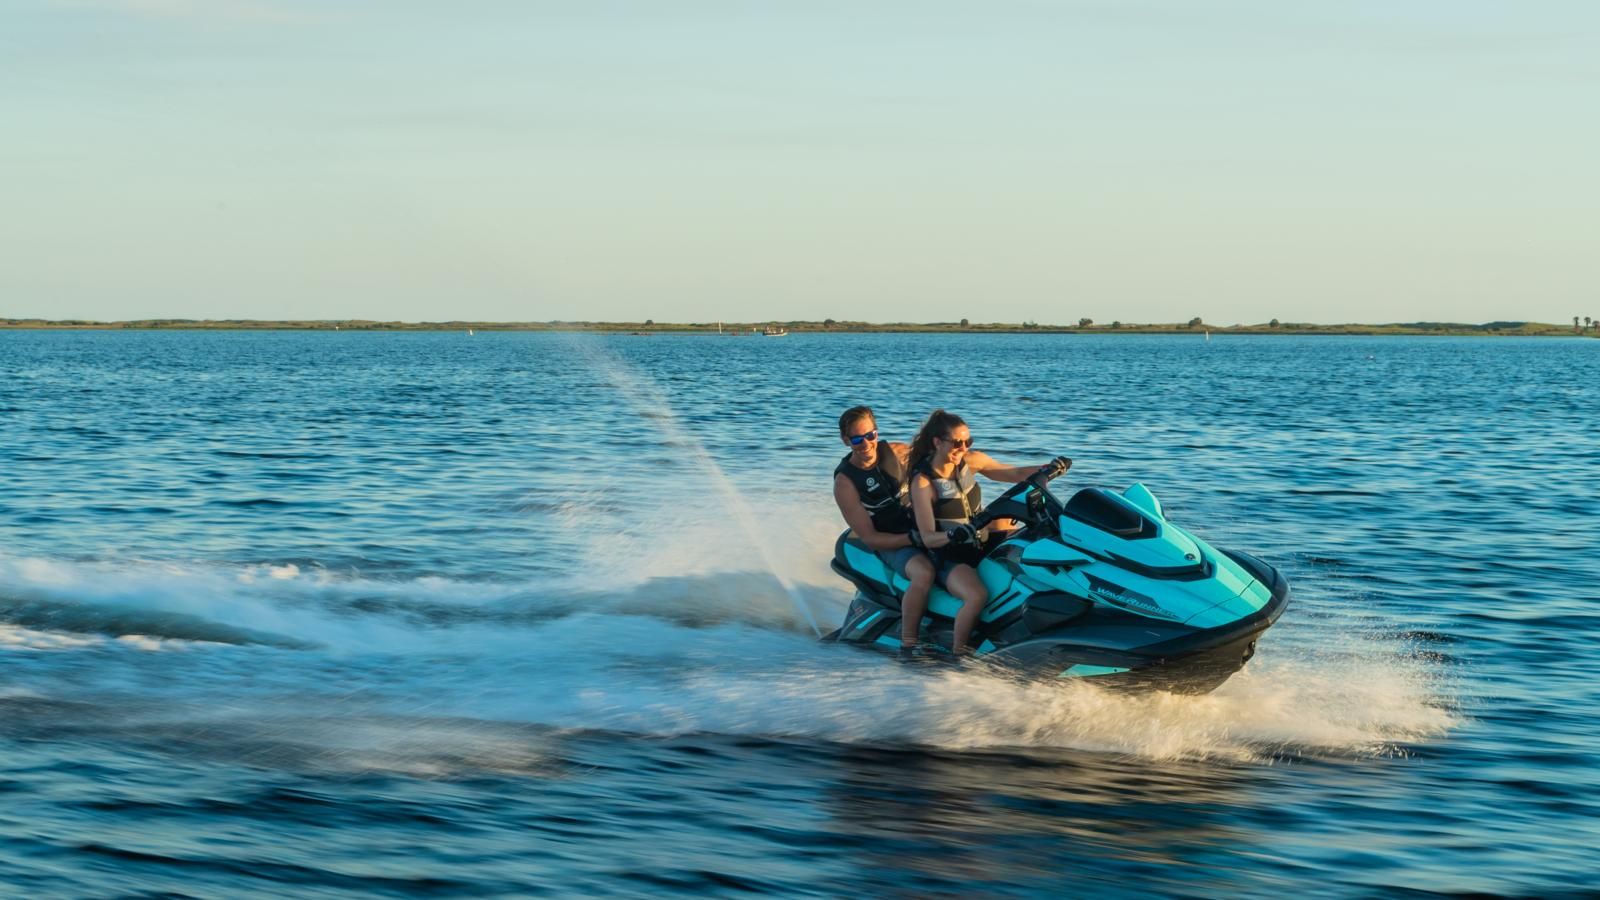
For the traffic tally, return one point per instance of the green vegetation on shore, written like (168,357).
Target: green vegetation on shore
(1587,327)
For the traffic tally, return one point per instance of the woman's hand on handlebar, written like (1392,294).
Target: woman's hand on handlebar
(962,534)
(1052,469)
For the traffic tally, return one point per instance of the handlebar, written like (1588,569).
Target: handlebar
(1047,473)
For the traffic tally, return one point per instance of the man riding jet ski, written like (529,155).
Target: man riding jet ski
(1100,587)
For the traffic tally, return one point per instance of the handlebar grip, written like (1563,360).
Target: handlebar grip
(1053,469)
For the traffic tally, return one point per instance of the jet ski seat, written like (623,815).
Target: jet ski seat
(856,561)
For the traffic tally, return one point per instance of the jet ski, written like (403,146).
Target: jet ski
(1099,587)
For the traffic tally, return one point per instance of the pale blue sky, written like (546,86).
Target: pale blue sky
(1143,160)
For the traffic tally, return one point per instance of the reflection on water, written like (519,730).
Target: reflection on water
(1070,821)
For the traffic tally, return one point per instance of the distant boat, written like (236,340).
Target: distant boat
(773,331)
(470,332)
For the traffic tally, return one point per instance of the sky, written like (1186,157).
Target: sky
(696,160)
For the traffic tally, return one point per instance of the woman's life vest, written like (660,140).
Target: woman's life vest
(882,489)
(955,499)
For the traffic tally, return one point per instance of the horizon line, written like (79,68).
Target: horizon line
(1588,326)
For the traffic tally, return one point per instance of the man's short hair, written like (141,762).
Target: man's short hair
(853,415)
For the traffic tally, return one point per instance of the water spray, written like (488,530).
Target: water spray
(652,404)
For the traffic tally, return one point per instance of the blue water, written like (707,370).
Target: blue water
(365,614)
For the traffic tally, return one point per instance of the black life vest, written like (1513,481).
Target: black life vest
(882,489)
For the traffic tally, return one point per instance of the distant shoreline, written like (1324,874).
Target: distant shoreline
(1517,329)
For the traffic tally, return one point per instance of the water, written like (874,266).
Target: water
(363,614)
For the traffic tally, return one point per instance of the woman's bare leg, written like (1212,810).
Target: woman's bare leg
(964,583)
(915,602)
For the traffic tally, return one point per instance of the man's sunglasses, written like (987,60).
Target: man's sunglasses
(857,440)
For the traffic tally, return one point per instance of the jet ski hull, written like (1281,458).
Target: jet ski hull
(1195,663)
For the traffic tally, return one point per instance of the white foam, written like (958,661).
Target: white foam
(652,679)
(15,637)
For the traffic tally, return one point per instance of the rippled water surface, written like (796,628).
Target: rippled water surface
(355,614)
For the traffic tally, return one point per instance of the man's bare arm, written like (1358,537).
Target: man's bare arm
(860,521)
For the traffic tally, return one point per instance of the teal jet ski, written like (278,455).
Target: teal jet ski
(1100,587)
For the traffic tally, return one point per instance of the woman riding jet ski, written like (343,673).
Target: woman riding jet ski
(1100,587)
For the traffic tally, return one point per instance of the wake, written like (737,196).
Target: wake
(718,653)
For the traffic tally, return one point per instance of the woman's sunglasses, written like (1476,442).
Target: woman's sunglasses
(961,444)
(857,440)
